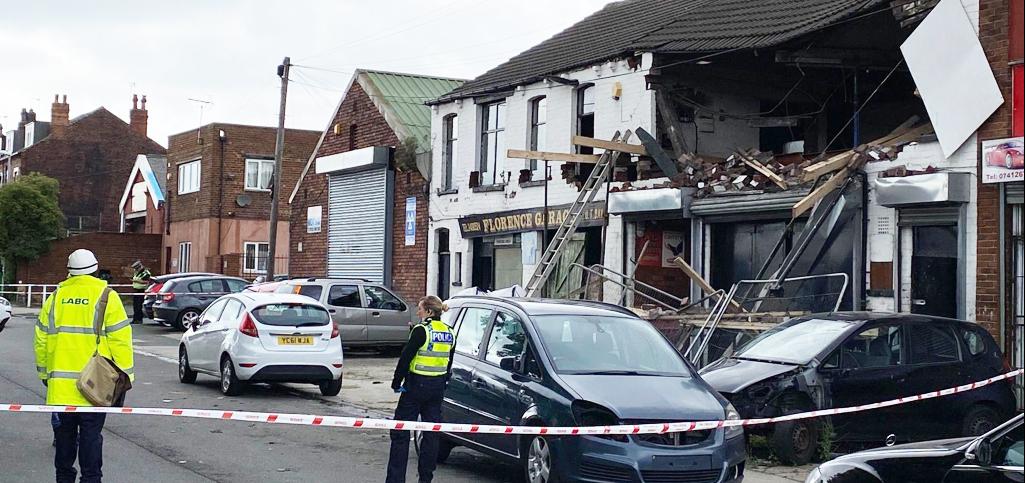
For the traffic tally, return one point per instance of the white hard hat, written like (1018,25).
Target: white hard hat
(81,262)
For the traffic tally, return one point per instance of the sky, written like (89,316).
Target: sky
(226,53)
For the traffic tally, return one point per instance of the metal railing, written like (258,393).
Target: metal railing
(25,293)
(629,284)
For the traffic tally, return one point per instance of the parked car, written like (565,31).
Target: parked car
(368,314)
(156,283)
(181,300)
(1009,155)
(575,363)
(5,312)
(259,337)
(994,457)
(853,358)
(264,287)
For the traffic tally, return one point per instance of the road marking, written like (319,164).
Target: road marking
(156,356)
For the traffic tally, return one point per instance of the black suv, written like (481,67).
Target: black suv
(853,358)
(575,363)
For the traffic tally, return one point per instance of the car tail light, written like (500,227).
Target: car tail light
(337,365)
(334,330)
(168,297)
(248,327)
(247,364)
(154,288)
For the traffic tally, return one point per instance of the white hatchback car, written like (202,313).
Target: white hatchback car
(263,337)
(5,312)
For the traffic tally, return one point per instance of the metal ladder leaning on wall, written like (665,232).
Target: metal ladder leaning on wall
(600,173)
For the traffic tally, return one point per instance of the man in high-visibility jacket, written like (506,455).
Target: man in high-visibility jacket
(140,280)
(65,341)
(420,377)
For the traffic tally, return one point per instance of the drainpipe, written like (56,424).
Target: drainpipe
(221,138)
(859,303)
(1002,251)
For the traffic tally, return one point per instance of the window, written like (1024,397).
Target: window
(235,286)
(507,339)
(380,298)
(471,330)
(184,256)
(457,270)
(353,136)
(538,119)
(231,311)
(879,346)
(212,286)
(975,342)
(344,296)
(492,141)
(933,344)
(312,291)
(214,311)
(259,174)
(292,315)
(255,256)
(585,116)
(188,177)
(450,135)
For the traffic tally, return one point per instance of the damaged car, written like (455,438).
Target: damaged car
(852,358)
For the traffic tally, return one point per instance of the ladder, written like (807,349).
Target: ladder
(601,172)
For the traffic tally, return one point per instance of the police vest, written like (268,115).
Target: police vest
(139,280)
(432,357)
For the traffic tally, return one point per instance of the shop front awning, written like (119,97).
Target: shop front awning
(923,189)
(738,204)
(651,201)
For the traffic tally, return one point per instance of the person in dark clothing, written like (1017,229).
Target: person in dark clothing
(420,377)
(140,280)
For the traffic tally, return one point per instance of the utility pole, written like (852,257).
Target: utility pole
(279,149)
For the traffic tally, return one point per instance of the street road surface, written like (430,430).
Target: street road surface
(162,449)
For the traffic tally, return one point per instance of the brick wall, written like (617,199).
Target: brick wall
(357,108)
(114,252)
(993,33)
(91,161)
(409,263)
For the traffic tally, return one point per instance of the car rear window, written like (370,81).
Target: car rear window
(312,291)
(293,315)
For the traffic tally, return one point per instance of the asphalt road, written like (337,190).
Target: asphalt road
(164,449)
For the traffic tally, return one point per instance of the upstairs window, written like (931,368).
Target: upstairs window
(255,255)
(188,177)
(538,120)
(585,116)
(259,174)
(450,136)
(492,141)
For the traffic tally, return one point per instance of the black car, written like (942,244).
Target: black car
(180,301)
(156,283)
(561,363)
(853,358)
(994,457)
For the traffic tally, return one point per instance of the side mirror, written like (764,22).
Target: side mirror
(981,452)
(511,364)
(333,311)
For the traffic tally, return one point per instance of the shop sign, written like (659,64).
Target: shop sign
(313,218)
(531,219)
(673,245)
(1003,160)
(410,221)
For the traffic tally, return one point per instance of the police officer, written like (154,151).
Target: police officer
(420,378)
(140,280)
(64,343)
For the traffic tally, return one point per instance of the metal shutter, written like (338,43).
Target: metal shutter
(1014,192)
(931,215)
(357,225)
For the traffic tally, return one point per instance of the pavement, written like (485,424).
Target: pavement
(189,450)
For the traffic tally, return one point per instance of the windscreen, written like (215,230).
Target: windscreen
(591,344)
(292,315)
(795,342)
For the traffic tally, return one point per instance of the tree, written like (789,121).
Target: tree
(30,218)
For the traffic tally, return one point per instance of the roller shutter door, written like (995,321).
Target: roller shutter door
(357,225)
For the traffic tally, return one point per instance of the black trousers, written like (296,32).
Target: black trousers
(137,314)
(79,436)
(422,398)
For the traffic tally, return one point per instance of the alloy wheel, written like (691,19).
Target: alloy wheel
(539,461)
(226,375)
(188,318)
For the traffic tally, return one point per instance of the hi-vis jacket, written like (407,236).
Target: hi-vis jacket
(65,339)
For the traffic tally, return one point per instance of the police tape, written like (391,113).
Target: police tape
(388,424)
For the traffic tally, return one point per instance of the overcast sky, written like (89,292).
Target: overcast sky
(226,52)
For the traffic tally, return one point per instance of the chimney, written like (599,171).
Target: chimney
(24,119)
(139,117)
(59,117)
(31,117)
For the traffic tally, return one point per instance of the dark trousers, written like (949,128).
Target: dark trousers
(78,436)
(137,300)
(422,398)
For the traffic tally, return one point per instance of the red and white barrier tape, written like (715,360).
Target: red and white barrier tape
(388,424)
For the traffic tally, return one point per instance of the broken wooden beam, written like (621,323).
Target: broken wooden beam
(824,189)
(550,156)
(671,120)
(696,277)
(655,151)
(834,163)
(609,145)
(762,169)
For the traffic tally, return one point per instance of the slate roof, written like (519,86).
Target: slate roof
(663,26)
(404,96)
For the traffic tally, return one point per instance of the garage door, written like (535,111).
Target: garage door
(357,221)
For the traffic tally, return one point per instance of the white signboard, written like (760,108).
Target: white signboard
(1002,160)
(952,74)
(313,218)
(410,221)
(673,246)
(528,247)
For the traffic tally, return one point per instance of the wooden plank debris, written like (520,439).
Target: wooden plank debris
(696,277)
(824,189)
(603,144)
(550,156)
(760,168)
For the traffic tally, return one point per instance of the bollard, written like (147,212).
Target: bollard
(28,300)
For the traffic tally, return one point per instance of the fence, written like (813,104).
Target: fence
(27,294)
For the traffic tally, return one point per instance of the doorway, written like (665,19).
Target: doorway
(444,264)
(934,271)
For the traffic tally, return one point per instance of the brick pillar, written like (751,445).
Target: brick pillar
(59,117)
(138,117)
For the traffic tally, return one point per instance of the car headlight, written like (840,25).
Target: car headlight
(733,415)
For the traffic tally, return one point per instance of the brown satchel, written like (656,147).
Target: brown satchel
(101,381)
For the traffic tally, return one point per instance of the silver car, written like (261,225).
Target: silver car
(367,313)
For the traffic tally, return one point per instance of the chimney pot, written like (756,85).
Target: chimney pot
(138,118)
(135,101)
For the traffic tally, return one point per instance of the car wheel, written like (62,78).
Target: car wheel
(537,461)
(979,420)
(331,387)
(795,442)
(230,385)
(445,446)
(185,373)
(185,319)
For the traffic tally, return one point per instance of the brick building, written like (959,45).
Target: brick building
(115,252)
(1000,285)
(363,192)
(89,155)
(219,180)
(143,200)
